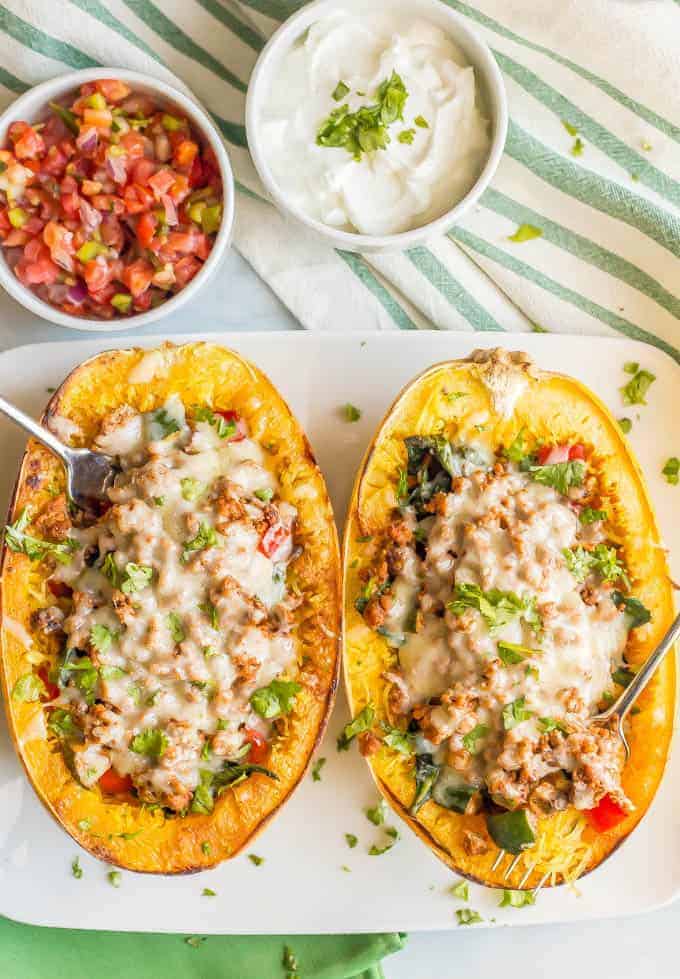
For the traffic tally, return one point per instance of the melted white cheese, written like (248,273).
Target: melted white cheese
(172,664)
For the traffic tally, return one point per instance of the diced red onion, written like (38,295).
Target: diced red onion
(170,210)
(77,294)
(87,140)
(57,292)
(162,147)
(90,216)
(115,166)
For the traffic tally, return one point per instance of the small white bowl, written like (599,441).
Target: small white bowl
(488,78)
(33,105)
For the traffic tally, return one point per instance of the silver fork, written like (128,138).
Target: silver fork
(88,474)
(619,709)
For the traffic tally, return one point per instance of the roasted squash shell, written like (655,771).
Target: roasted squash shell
(490,398)
(120,830)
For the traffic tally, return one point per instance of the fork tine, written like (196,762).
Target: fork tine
(512,866)
(540,883)
(497,862)
(527,875)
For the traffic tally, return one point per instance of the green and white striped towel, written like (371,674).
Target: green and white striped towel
(607,261)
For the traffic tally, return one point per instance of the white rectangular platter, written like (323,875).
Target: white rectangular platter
(302,887)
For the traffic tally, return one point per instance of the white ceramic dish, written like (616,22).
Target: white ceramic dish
(304,848)
(33,104)
(488,78)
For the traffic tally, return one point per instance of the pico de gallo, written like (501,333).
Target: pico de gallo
(110,205)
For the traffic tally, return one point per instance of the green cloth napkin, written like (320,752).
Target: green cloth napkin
(30,952)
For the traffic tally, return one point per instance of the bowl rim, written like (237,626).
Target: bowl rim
(25,107)
(483,61)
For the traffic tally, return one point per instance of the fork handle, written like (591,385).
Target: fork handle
(644,675)
(35,429)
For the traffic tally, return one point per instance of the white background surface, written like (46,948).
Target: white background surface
(618,948)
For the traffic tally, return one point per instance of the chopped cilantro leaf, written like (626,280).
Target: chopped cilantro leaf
(461,890)
(351,412)
(671,470)
(515,713)
(361,723)
(525,232)
(276,699)
(340,91)
(352,840)
(151,742)
(316,769)
(471,741)
(633,393)
(516,899)
(466,916)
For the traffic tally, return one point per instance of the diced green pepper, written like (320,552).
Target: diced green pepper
(96,101)
(90,250)
(17,217)
(171,123)
(196,210)
(70,119)
(512,831)
(457,798)
(211,218)
(122,302)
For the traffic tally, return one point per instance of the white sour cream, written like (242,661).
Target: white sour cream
(404,185)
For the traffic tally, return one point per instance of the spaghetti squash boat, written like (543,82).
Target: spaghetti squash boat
(170,656)
(504,580)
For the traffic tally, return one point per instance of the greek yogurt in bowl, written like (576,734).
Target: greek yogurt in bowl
(373,125)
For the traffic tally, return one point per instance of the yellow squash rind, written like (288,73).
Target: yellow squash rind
(488,399)
(201,373)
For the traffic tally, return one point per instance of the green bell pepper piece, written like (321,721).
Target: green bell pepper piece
(512,831)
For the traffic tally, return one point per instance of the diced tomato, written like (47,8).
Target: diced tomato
(548,455)
(241,427)
(108,202)
(59,588)
(112,232)
(114,784)
(29,146)
(99,119)
(97,274)
(16,238)
(60,243)
(142,170)
(55,162)
(180,189)
(104,295)
(197,174)
(34,225)
(186,269)
(112,89)
(275,541)
(185,153)
(143,302)
(17,130)
(259,749)
(52,690)
(137,276)
(146,229)
(137,199)
(606,815)
(42,272)
(133,144)
(182,242)
(577,451)
(161,182)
